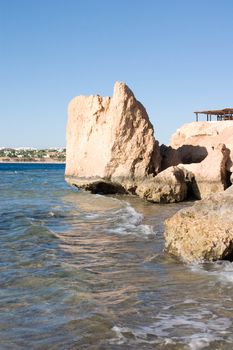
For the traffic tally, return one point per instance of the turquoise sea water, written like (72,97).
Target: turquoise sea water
(82,271)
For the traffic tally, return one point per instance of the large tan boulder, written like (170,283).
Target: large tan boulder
(110,142)
(193,141)
(169,186)
(210,175)
(203,232)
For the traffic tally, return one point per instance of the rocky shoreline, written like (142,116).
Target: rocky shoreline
(111,148)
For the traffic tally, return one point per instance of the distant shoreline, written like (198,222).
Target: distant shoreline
(30,162)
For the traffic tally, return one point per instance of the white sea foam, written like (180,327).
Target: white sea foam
(128,221)
(92,216)
(225,272)
(222,270)
(200,329)
(200,342)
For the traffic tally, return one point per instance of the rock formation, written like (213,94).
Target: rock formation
(169,186)
(210,175)
(204,150)
(185,154)
(110,142)
(192,142)
(203,232)
(111,149)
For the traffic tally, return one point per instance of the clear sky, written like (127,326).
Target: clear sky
(176,56)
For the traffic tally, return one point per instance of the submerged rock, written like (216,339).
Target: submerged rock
(203,232)
(110,142)
(169,186)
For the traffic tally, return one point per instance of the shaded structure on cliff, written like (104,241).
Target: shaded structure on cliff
(220,114)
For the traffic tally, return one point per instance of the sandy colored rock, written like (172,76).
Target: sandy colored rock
(209,176)
(110,140)
(195,140)
(169,186)
(203,232)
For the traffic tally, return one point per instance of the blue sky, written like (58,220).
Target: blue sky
(176,56)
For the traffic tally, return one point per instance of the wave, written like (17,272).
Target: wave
(221,270)
(108,214)
(127,221)
(195,331)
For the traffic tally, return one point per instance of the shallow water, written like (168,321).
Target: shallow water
(82,271)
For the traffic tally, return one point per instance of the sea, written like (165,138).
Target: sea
(83,271)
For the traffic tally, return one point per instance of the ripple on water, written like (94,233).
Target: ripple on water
(82,271)
(195,330)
